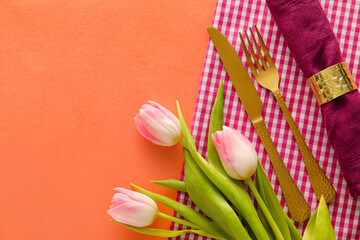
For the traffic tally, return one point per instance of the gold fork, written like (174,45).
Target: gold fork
(268,77)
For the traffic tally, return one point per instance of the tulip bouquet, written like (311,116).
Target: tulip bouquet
(215,185)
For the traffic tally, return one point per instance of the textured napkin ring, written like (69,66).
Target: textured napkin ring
(331,83)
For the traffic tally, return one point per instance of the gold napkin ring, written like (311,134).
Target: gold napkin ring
(331,83)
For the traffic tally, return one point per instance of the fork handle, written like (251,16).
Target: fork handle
(298,207)
(319,181)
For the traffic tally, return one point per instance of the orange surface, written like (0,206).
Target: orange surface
(73,75)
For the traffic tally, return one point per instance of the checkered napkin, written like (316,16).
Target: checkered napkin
(233,16)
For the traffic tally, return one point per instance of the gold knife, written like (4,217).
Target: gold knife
(249,97)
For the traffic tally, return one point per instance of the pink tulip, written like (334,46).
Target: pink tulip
(133,208)
(236,152)
(158,124)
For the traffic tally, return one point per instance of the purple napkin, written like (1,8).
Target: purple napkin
(314,46)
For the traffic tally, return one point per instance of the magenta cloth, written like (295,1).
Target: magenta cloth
(232,16)
(311,40)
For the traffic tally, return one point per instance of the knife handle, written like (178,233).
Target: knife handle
(319,181)
(298,207)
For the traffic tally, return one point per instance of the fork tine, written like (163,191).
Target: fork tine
(258,50)
(248,58)
(263,46)
(253,54)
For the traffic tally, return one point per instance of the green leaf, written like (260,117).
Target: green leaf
(294,232)
(261,205)
(181,221)
(310,230)
(210,200)
(249,230)
(216,124)
(172,183)
(234,191)
(163,233)
(187,212)
(272,203)
(190,144)
(266,225)
(319,226)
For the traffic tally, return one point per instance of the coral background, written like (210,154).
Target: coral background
(73,75)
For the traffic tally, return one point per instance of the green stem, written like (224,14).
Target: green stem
(263,207)
(182,141)
(187,212)
(167,233)
(177,220)
(206,234)
(189,224)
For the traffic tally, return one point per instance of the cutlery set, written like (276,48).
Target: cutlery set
(266,74)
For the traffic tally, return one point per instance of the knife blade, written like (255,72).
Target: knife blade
(250,99)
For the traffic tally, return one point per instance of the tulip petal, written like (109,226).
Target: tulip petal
(216,137)
(248,164)
(161,127)
(236,152)
(166,112)
(118,199)
(226,151)
(145,133)
(158,124)
(134,214)
(138,197)
(220,146)
(230,143)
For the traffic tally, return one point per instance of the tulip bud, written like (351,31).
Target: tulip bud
(158,124)
(236,153)
(133,208)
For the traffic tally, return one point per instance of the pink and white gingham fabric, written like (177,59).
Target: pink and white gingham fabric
(233,16)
